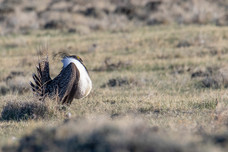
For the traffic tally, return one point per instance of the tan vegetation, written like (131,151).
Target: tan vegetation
(159,82)
(33,109)
(84,16)
(126,134)
(156,75)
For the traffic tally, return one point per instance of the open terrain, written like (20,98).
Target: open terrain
(172,79)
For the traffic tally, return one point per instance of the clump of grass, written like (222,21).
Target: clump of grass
(204,105)
(211,77)
(183,44)
(25,110)
(187,12)
(110,65)
(148,109)
(15,82)
(18,85)
(118,82)
(202,72)
(14,74)
(98,135)
(221,111)
(4,89)
(211,82)
(220,139)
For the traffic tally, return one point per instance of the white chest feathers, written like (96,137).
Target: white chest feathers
(85,83)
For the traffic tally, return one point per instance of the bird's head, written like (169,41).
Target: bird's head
(65,56)
(71,58)
(76,57)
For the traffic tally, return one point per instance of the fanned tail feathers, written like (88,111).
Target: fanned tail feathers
(41,78)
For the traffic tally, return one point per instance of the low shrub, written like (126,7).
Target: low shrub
(84,135)
(25,110)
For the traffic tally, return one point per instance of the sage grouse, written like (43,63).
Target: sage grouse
(72,82)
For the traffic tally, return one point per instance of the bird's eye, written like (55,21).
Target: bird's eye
(79,59)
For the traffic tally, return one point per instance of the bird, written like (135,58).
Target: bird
(73,81)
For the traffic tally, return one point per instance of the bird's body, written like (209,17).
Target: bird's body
(84,83)
(72,82)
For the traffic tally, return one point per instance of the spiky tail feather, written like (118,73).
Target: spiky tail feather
(42,77)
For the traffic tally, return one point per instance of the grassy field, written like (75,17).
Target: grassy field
(170,77)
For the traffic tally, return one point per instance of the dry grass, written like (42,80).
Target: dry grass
(159,86)
(117,15)
(188,12)
(34,109)
(100,135)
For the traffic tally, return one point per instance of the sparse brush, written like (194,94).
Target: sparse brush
(221,112)
(15,82)
(25,110)
(163,68)
(18,85)
(110,65)
(211,77)
(98,135)
(189,12)
(14,74)
(118,82)
(4,89)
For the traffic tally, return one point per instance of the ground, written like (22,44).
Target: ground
(168,76)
